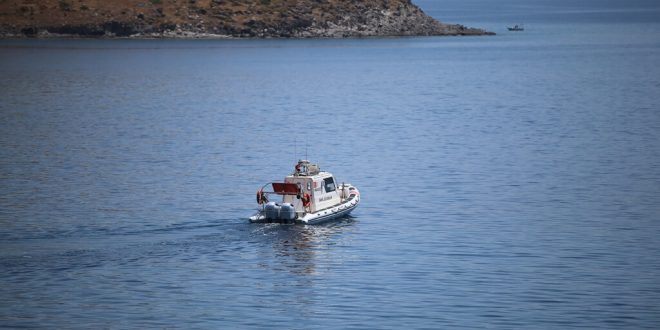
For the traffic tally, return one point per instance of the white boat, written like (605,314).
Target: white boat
(309,196)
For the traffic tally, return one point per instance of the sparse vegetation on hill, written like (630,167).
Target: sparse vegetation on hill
(219,18)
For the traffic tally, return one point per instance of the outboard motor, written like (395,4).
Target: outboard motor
(287,212)
(272,210)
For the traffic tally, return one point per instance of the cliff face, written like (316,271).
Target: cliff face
(220,18)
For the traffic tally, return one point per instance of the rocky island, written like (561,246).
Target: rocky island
(220,18)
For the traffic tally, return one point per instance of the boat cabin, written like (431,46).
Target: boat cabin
(308,183)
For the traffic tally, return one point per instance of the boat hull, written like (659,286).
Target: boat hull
(325,215)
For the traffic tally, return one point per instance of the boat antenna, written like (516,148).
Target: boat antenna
(306,151)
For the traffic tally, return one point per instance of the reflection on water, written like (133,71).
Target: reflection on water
(296,247)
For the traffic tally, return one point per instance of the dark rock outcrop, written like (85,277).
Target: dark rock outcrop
(220,18)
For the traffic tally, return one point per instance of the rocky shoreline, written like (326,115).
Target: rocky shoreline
(211,19)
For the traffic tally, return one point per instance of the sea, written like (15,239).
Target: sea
(507,182)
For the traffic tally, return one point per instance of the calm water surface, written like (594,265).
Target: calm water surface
(507,182)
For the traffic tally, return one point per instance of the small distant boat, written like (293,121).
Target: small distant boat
(309,196)
(516,28)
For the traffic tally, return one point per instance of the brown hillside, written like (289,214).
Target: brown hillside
(206,18)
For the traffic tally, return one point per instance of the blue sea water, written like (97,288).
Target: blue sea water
(507,182)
